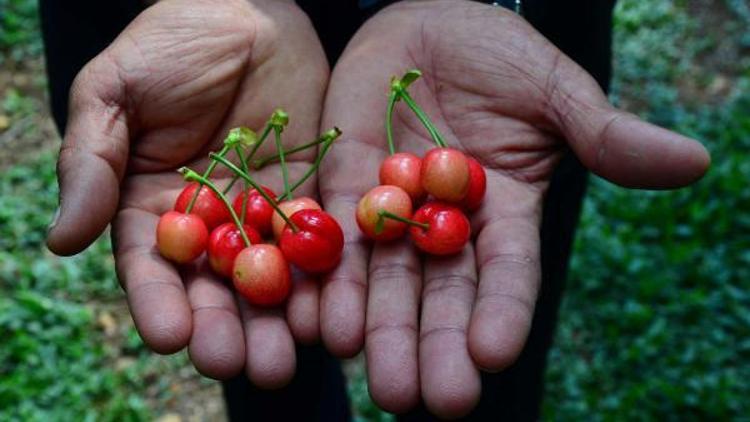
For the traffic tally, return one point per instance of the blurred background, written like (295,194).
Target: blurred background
(656,318)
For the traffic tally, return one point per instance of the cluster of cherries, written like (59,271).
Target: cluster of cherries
(446,183)
(232,234)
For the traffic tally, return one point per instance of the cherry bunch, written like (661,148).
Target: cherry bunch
(446,182)
(232,234)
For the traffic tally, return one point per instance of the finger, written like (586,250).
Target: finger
(217,345)
(156,296)
(617,145)
(270,360)
(507,251)
(343,298)
(395,276)
(450,381)
(92,159)
(302,309)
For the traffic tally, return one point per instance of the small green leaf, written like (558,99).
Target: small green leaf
(241,136)
(279,118)
(409,77)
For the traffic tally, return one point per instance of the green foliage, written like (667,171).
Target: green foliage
(656,318)
(19,30)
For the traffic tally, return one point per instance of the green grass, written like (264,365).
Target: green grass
(656,319)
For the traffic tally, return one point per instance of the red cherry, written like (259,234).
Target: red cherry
(477,185)
(225,243)
(316,246)
(258,212)
(289,208)
(207,206)
(445,174)
(403,169)
(383,198)
(261,275)
(448,231)
(181,237)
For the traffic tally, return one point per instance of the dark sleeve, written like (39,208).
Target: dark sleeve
(75,31)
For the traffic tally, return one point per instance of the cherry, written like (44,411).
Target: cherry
(207,206)
(258,212)
(388,198)
(477,185)
(261,275)
(445,174)
(403,169)
(290,207)
(181,237)
(444,229)
(316,245)
(225,243)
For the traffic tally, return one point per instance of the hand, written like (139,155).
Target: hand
(163,95)
(502,93)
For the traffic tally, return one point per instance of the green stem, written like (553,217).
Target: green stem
(193,176)
(386,214)
(262,162)
(223,151)
(332,135)
(282,159)
(436,136)
(263,136)
(257,187)
(238,150)
(392,99)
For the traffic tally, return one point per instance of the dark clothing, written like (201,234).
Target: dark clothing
(75,31)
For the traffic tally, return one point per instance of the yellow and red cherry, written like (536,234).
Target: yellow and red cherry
(181,237)
(261,275)
(445,174)
(225,243)
(384,198)
(404,170)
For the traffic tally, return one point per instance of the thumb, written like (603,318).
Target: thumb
(617,145)
(93,158)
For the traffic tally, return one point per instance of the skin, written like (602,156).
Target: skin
(258,212)
(181,238)
(317,244)
(207,206)
(289,208)
(429,325)
(225,243)
(445,174)
(161,96)
(403,169)
(386,198)
(448,232)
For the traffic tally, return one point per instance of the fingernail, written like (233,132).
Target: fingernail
(55,217)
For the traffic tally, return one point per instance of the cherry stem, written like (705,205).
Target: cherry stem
(330,136)
(262,162)
(249,156)
(257,187)
(436,136)
(386,214)
(238,150)
(191,175)
(282,160)
(392,99)
(206,175)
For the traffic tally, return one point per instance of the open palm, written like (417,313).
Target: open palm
(502,93)
(162,96)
